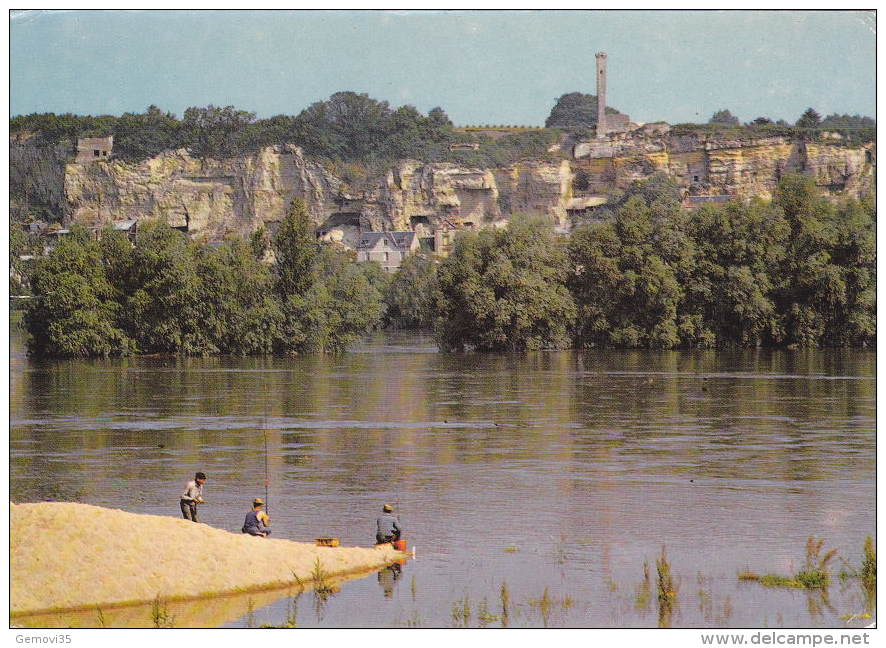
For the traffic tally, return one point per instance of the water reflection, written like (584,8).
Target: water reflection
(388,577)
(730,458)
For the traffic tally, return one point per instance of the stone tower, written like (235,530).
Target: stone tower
(601,94)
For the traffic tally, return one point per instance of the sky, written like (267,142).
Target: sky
(481,67)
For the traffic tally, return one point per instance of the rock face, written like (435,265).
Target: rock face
(747,167)
(210,198)
(217,197)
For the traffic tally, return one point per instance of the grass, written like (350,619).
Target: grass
(505,596)
(320,578)
(869,565)
(644,591)
(814,575)
(667,591)
(250,613)
(484,616)
(461,612)
(160,614)
(547,603)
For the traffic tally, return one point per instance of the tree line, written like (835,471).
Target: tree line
(168,294)
(348,127)
(796,271)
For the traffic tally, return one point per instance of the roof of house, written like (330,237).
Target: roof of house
(401,239)
(125,225)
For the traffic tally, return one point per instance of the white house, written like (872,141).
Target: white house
(387,248)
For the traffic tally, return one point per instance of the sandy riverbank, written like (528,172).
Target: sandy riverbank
(65,556)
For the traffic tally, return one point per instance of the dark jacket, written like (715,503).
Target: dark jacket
(387,528)
(252,525)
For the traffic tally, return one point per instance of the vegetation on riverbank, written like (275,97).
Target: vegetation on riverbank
(167,294)
(797,271)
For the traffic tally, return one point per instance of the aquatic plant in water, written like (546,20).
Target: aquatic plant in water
(505,597)
(160,614)
(667,591)
(644,591)
(814,575)
(461,612)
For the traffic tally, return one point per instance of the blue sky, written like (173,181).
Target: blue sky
(494,67)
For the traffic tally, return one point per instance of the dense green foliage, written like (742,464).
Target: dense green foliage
(167,294)
(575,110)
(809,119)
(505,290)
(355,134)
(797,271)
(75,313)
(409,296)
(723,117)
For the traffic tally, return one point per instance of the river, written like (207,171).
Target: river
(549,477)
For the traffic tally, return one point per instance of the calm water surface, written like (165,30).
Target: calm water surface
(557,471)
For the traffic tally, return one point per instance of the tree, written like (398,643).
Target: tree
(141,136)
(625,287)
(241,313)
(164,309)
(762,121)
(809,119)
(296,249)
(214,131)
(724,117)
(337,308)
(505,290)
(410,295)
(73,313)
(575,110)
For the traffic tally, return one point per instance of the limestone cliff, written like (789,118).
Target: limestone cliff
(703,165)
(213,197)
(204,196)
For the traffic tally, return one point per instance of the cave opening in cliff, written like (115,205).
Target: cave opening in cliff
(421,219)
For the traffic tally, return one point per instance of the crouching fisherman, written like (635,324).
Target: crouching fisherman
(387,526)
(257,520)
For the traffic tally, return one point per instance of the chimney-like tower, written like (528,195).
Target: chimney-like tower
(601,94)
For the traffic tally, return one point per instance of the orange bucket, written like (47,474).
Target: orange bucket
(399,545)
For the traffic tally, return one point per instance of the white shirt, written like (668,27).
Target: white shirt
(193,491)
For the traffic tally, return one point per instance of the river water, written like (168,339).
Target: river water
(551,475)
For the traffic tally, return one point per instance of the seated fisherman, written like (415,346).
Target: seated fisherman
(254,523)
(387,526)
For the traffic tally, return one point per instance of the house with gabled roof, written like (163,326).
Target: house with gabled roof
(387,248)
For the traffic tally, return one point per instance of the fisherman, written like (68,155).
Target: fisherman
(253,524)
(387,526)
(192,496)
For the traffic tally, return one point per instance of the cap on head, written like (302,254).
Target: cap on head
(387,508)
(258,502)
(200,475)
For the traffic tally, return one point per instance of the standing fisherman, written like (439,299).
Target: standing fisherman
(192,496)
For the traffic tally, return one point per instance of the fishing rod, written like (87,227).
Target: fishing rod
(264,429)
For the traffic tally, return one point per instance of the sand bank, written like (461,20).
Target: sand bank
(65,556)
